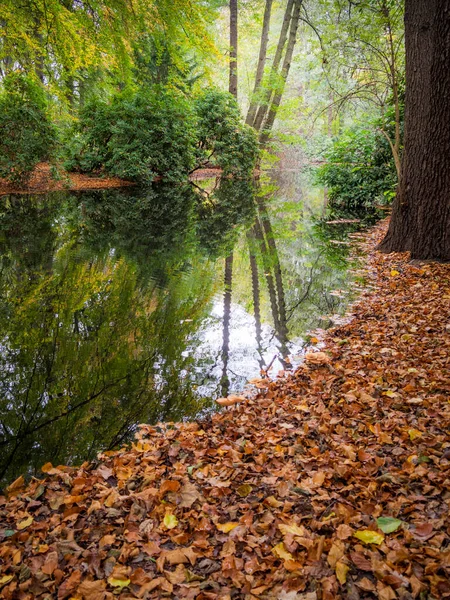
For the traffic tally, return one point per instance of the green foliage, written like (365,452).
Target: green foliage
(223,137)
(27,135)
(359,171)
(136,136)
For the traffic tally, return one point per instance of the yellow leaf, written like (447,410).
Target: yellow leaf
(369,537)
(120,583)
(294,529)
(341,572)
(25,523)
(170,521)
(390,394)
(394,273)
(280,552)
(5,579)
(226,527)
(414,433)
(244,490)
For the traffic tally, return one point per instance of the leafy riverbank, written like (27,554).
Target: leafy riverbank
(333,483)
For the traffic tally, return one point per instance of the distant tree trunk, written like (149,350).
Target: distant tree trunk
(265,101)
(276,101)
(261,63)
(420,219)
(233,87)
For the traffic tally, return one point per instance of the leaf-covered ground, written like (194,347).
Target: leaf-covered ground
(333,483)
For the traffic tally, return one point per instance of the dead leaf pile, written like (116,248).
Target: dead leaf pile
(332,483)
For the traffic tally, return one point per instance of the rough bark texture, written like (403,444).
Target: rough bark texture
(421,213)
(265,102)
(276,101)
(233,47)
(261,62)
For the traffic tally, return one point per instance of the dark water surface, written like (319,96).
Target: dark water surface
(126,306)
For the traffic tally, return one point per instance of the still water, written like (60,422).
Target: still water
(120,307)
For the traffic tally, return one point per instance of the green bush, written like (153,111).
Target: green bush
(359,172)
(136,136)
(27,135)
(222,136)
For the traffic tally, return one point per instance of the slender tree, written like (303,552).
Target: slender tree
(420,219)
(261,63)
(279,90)
(265,99)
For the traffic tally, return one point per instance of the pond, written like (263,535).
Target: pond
(121,307)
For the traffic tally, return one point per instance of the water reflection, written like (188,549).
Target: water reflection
(113,311)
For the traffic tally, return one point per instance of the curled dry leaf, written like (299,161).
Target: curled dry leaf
(230,400)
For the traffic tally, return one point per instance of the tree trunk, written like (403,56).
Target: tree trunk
(420,219)
(261,63)
(264,104)
(267,128)
(256,292)
(233,47)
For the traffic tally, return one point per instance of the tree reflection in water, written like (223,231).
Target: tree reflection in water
(107,299)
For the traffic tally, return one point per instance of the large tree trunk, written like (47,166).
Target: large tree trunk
(265,101)
(261,63)
(276,101)
(233,47)
(420,219)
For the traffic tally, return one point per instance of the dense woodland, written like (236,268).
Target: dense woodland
(218,165)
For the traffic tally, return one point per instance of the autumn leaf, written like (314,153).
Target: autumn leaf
(414,434)
(6,579)
(170,521)
(293,528)
(369,537)
(24,523)
(388,524)
(226,527)
(244,490)
(341,572)
(280,552)
(118,583)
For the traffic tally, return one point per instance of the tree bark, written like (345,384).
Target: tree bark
(265,101)
(420,219)
(233,87)
(261,63)
(276,101)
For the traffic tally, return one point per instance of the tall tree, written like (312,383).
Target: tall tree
(420,219)
(265,99)
(261,63)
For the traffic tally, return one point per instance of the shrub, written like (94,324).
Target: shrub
(136,136)
(27,135)
(359,171)
(223,137)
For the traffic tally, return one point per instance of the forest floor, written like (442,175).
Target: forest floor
(331,483)
(42,181)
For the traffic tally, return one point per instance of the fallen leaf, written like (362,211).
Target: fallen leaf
(369,537)
(226,527)
(341,572)
(388,524)
(280,552)
(170,521)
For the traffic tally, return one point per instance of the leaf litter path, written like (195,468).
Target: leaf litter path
(332,483)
